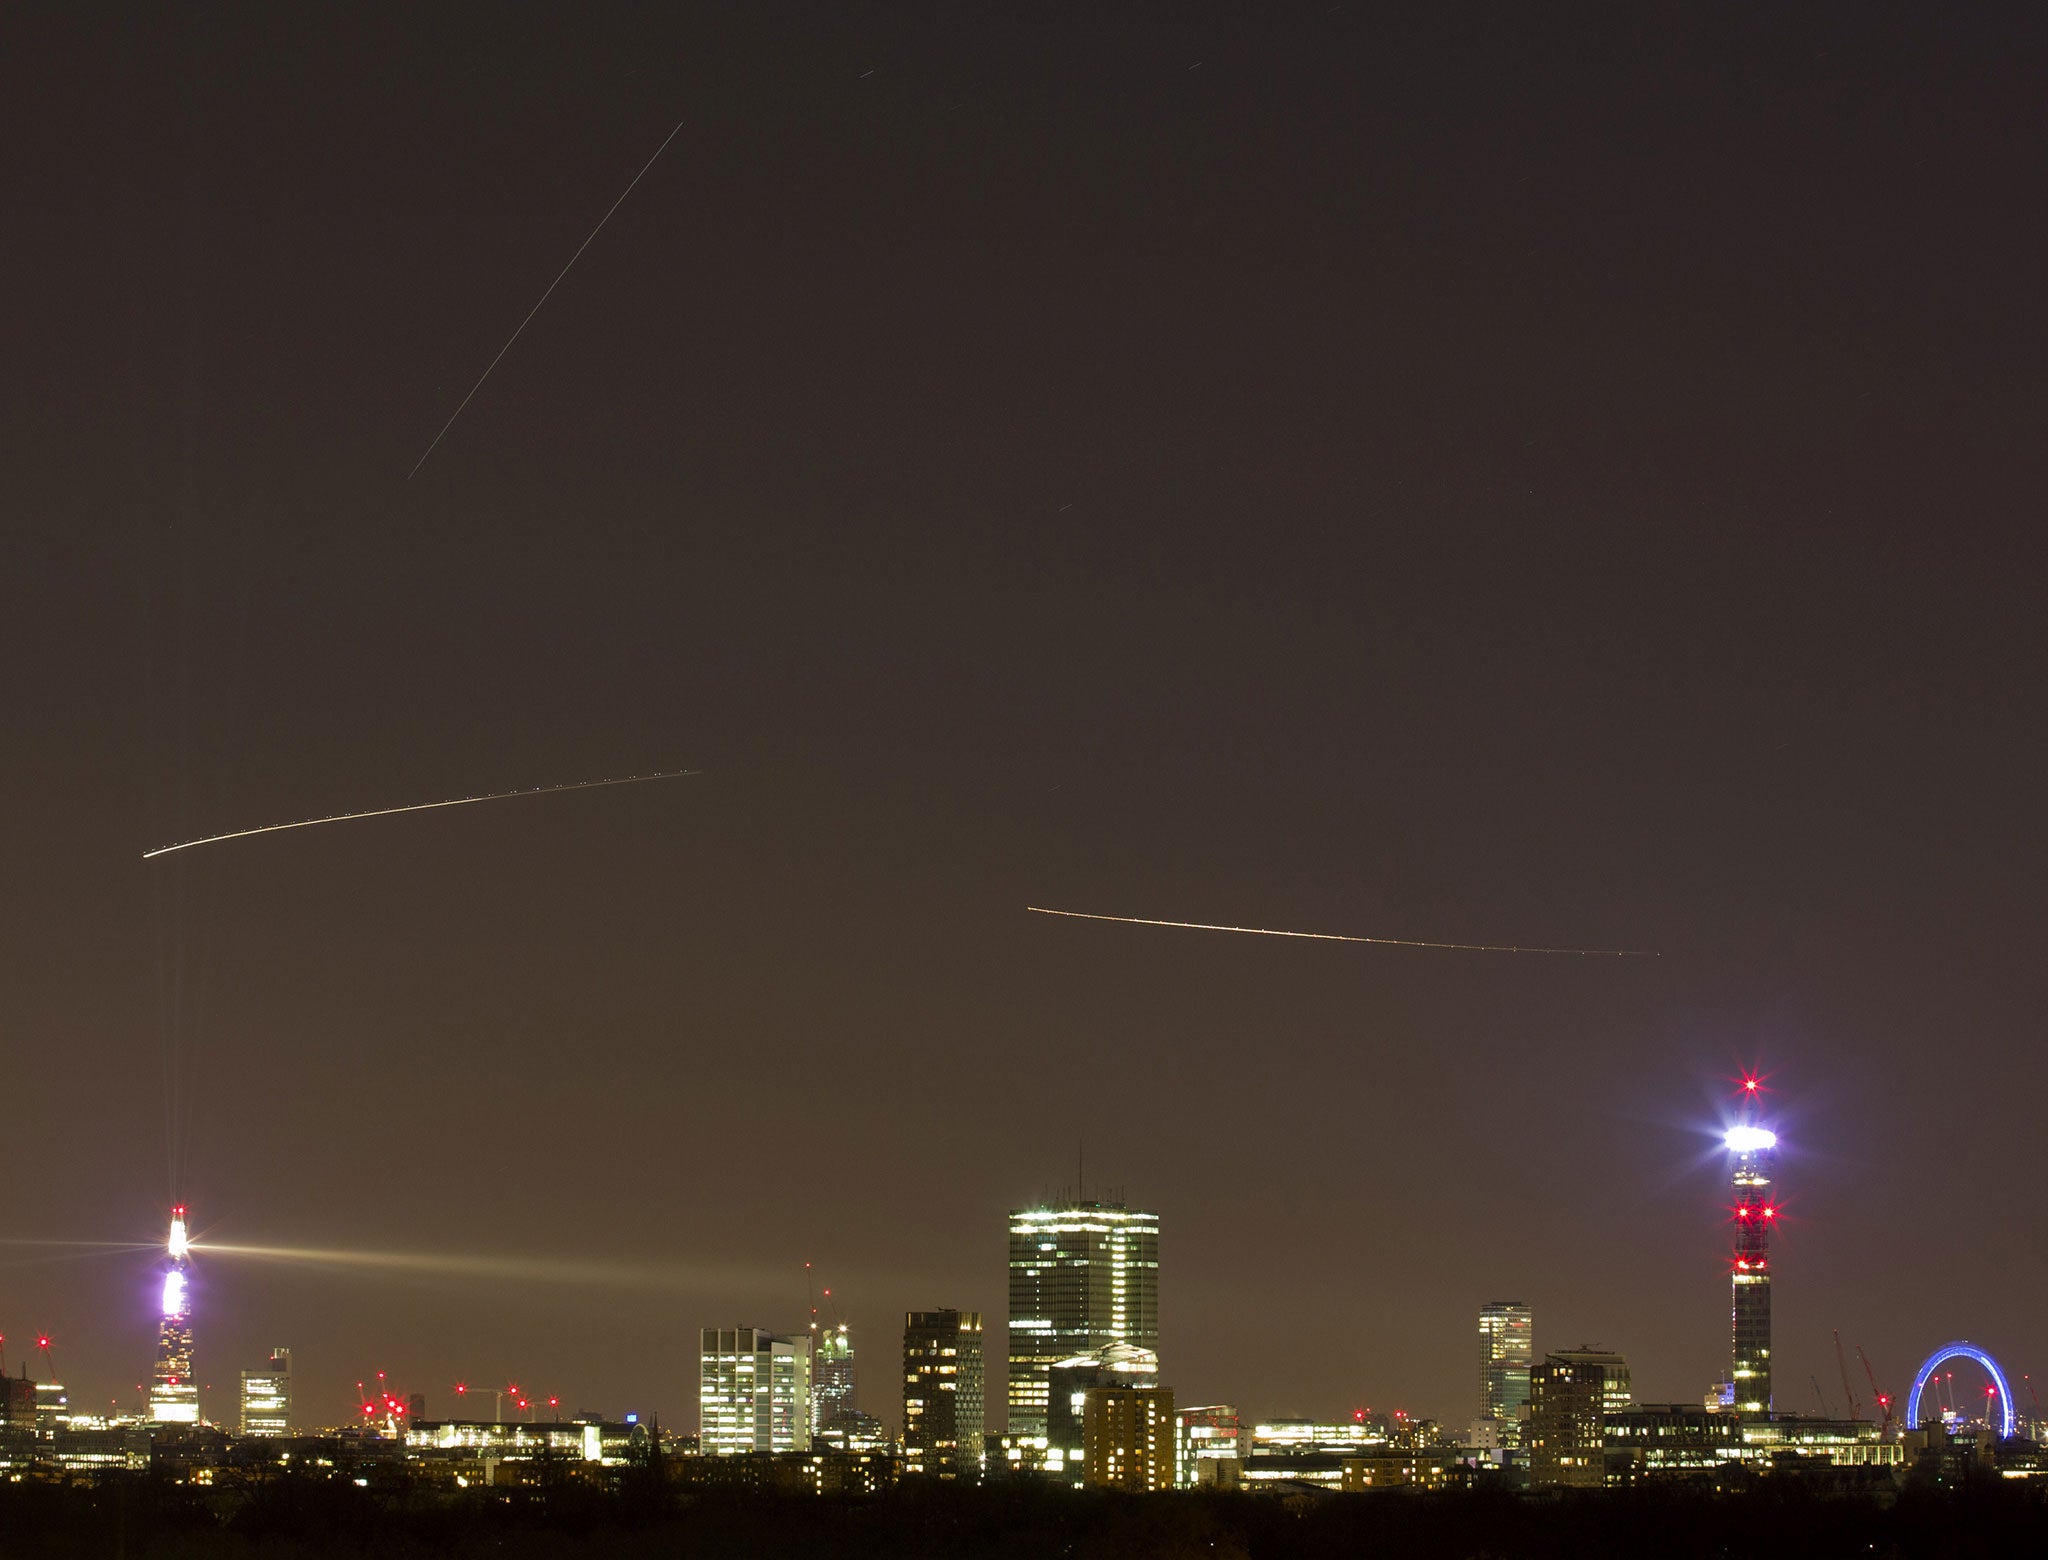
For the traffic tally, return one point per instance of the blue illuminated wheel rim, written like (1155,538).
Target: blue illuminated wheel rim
(1964,1351)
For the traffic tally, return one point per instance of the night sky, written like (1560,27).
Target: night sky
(1487,473)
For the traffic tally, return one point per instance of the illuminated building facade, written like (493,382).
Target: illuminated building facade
(1756,1215)
(267,1396)
(753,1391)
(831,1376)
(943,1414)
(1068,1385)
(173,1395)
(1208,1438)
(1507,1351)
(1571,1396)
(1082,1275)
(1129,1434)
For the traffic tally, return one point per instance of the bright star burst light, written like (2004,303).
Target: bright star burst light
(1747,1140)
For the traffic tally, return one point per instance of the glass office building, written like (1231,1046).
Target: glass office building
(1507,1350)
(753,1391)
(1082,1276)
(943,1412)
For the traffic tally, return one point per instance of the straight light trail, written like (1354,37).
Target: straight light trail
(1384,942)
(385,812)
(530,313)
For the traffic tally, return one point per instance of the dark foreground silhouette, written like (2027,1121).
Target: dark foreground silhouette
(146,1518)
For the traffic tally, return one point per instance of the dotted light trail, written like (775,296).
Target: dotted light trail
(385,812)
(1384,942)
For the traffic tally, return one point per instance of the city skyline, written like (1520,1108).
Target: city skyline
(1478,478)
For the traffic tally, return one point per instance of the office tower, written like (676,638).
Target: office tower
(1129,1434)
(1756,1214)
(173,1395)
(267,1396)
(753,1391)
(1506,1352)
(1570,1396)
(942,1394)
(831,1376)
(53,1406)
(1068,1384)
(1082,1275)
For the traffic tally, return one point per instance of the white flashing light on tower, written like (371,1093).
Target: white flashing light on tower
(1747,1139)
(180,1243)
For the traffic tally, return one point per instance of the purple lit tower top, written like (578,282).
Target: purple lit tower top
(174,1396)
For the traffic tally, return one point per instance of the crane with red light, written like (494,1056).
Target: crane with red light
(1884,1399)
(498,1396)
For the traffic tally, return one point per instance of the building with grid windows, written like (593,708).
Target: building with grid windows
(1507,1350)
(1082,1275)
(267,1396)
(753,1391)
(943,1425)
(1571,1396)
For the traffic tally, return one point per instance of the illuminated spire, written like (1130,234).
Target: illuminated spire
(174,1396)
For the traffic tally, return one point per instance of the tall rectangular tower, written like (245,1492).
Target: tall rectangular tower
(1507,1350)
(753,1391)
(1756,1215)
(1082,1275)
(943,1414)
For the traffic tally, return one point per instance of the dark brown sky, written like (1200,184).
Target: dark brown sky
(1491,473)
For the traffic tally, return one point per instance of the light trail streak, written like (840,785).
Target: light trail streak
(385,812)
(507,347)
(1384,942)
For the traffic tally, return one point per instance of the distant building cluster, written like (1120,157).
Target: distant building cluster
(1087,1403)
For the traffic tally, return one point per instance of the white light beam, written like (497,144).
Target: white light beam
(383,812)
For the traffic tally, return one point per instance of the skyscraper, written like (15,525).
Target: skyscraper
(943,1414)
(267,1396)
(753,1391)
(173,1395)
(1756,1214)
(1082,1275)
(831,1375)
(1507,1350)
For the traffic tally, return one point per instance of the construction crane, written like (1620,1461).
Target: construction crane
(1822,1397)
(499,1394)
(1848,1392)
(1883,1398)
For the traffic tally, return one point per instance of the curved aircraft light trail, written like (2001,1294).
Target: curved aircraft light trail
(530,313)
(1384,942)
(383,812)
